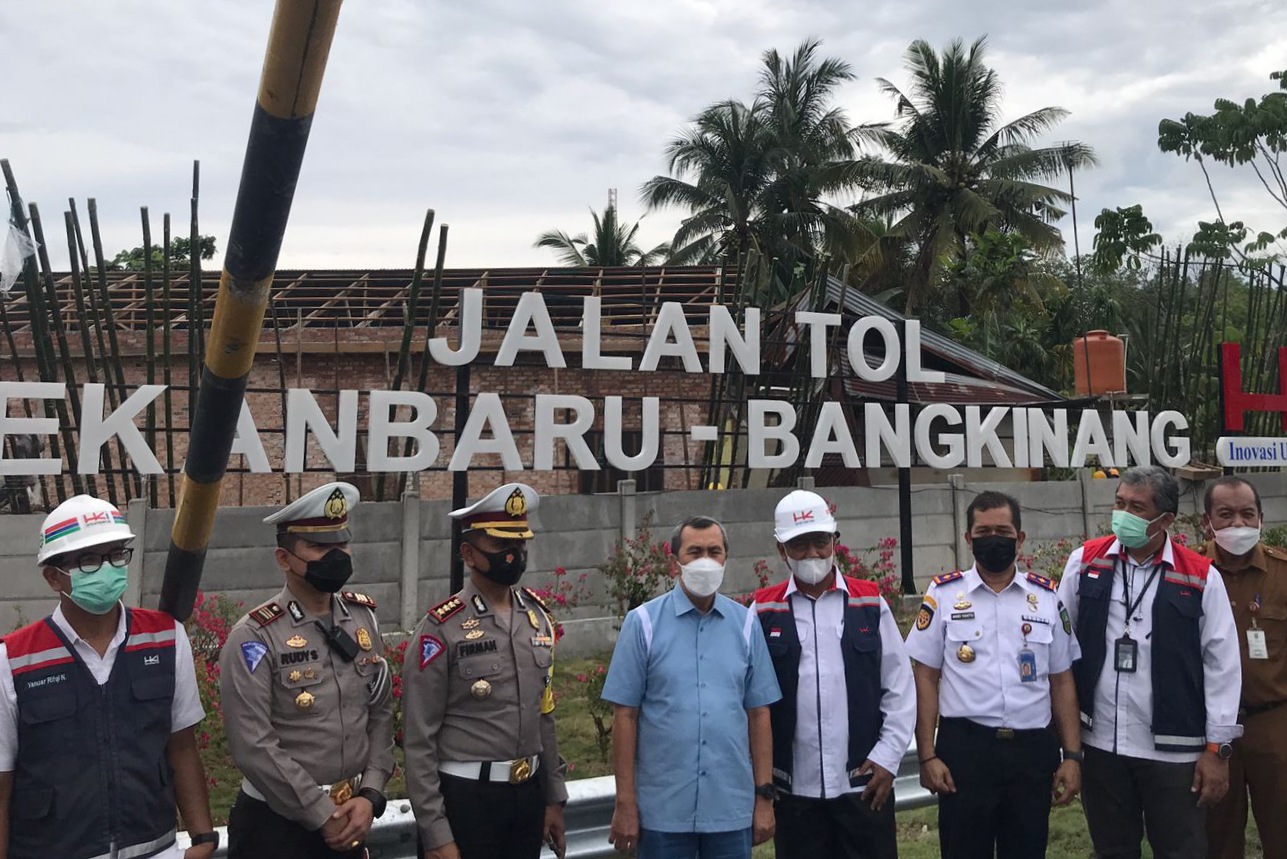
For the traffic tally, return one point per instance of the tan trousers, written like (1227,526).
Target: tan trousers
(1258,766)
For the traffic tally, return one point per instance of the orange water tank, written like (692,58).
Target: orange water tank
(1099,364)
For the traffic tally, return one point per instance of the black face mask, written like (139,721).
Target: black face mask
(995,553)
(505,567)
(330,572)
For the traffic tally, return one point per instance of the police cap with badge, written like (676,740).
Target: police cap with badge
(501,514)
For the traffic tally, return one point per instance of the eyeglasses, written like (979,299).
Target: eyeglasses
(816,540)
(92,562)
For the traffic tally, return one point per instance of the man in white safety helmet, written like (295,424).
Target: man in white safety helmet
(848,704)
(97,708)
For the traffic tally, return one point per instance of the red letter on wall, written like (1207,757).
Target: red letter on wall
(1236,401)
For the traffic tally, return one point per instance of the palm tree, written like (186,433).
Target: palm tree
(612,244)
(758,177)
(953,171)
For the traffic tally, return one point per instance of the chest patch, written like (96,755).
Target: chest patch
(474,648)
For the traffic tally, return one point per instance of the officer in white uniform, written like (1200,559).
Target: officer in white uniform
(994,650)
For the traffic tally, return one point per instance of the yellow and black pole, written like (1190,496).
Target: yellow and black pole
(298,47)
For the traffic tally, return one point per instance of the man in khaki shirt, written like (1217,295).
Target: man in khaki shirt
(483,766)
(306,697)
(1256,577)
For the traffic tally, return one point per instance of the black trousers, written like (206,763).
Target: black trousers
(1123,797)
(1002,802)
(256,831)
(844,827)
(494,820)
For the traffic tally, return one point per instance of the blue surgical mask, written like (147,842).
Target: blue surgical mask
(1131,530)
(98,592)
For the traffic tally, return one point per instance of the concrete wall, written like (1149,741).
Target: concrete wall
(402,548)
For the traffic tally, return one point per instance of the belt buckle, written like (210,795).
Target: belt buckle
(520,771)
(1005,733)
(342,791)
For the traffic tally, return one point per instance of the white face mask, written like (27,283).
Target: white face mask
(810,571)
(702,577)
(1237,540)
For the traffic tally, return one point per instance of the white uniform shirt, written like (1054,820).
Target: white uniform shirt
(820,750)
(989,689)
(185,712)
(1124,701)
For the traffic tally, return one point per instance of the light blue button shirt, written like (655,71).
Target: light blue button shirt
(692,677)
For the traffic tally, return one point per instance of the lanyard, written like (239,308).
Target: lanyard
(1126,589)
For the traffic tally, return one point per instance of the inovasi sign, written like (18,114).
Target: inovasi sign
(937,435)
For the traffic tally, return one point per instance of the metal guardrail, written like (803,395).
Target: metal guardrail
(588,817)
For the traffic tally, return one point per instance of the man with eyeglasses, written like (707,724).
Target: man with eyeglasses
(848,703)
(97,708)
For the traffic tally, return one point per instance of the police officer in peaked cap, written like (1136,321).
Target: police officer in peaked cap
(307,696)
(483,767)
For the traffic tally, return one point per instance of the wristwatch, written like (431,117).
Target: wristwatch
(377,800)
(1078,756)
(768,791)
(205,838)
(1222,750)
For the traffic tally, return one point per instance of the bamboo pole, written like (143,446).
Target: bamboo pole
(281,376)
(149,305)
(166,313)
(298,47)
(194,297)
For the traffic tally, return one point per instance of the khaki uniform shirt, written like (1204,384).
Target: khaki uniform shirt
(297,714)
(475,687)
(1264,579)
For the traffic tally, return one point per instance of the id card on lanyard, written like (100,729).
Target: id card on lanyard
(1126,650)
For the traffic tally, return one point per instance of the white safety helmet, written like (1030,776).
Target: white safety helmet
(802,512)
(80,523)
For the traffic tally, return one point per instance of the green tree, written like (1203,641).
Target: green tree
(951,171)
(1124,235)
(612,244)
(180,255)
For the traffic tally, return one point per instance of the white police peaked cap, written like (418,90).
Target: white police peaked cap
(320,516)
(501,513)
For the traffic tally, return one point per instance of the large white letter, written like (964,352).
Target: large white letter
(1048,437)
(1131,440)
(304,414)
(1091,439)
(531,310)
(758,432)
(592,336)
(671,324)
(831,435)
(818,324)
(573,434)
(858,354)
(96,430)
(612,441)
(725,335)
(247,442)
(896,438)
(33,426)
(469,321)
(1162,444)
(982,432)
(381,428)
(487,410)
(912,334)
(924,444)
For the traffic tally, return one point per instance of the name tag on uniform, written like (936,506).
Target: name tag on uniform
(1027,666)
(1256,645)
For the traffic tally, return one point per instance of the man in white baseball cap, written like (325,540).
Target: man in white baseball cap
(97,708)
(848,704)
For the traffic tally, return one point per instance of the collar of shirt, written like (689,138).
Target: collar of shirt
(974,580)
(837,584)
(683,605)
(1166,556)
(1255,562)
(60,620)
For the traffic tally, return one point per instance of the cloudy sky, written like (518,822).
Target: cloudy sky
(511,117)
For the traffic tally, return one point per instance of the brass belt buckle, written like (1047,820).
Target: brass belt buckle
(1005,733)
(520,771)
(342,791)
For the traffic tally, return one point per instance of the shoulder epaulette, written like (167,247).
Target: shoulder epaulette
(947,577)
(357,598)
(531,593)
(267,613)
(1043,582)
(446,608)
(1276,553)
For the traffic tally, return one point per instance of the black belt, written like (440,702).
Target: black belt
(1257,709)
(994,733)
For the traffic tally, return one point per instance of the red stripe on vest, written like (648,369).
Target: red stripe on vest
(147,620)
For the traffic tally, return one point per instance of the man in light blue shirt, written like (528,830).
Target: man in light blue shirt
(691,680)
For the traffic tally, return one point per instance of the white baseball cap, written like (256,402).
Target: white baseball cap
(81,522)
(802,512)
